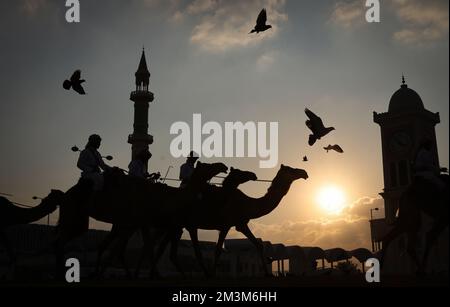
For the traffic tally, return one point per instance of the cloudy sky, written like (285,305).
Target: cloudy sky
(319,54)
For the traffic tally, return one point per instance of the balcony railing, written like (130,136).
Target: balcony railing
(142,94)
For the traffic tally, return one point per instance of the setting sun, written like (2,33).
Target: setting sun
(331,199)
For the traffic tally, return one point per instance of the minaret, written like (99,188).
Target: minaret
(140,139)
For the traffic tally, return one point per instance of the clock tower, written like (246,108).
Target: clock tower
(406,124)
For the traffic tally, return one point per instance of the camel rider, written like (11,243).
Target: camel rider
(187,169)
(424,166)
(90,162)
(138,166)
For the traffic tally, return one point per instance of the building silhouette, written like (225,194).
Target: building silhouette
(403,128)
(141,96)
(406,124)
(240,258)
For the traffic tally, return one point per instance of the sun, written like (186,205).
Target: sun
(331,199)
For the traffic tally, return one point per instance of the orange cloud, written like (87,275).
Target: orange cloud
(350,230)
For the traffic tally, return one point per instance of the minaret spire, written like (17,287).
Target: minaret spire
(142,74)
(140,139)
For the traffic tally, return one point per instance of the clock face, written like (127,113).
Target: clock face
(400,142)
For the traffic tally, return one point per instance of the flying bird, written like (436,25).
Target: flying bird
(75,83)
(305,159)
(336,148)
(261,25)
(315,124)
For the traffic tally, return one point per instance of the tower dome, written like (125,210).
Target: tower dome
(405,99)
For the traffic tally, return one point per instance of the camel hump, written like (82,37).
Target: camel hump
(3,201)
(237,177)
(7,208)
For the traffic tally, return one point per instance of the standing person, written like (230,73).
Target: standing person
(90,162)
(187,169)
(138,166)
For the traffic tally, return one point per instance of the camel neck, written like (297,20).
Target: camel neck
(272,198)
(38,212)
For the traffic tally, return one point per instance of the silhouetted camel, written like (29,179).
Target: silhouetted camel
(235,178)
(13,215)
(213,212)
(202,174)
(420,197)
(128,203)
(166,207)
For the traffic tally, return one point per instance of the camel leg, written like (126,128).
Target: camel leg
(176,236)
(148,241)
(64,235)
(59,246)
(104,245)
(222,235)
(431,237)
(167,236)
(198,253)
(62,238)
(259,247)
(9,249)
(122,250)
(118,249)
(73,222)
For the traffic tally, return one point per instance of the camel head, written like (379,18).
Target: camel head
(204,171)
(54,198)
(238,177)
(291,174)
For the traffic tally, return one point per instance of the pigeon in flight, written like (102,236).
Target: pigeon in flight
(75,83)
(261,25)
(305,159)
(336,148)
(315,124)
